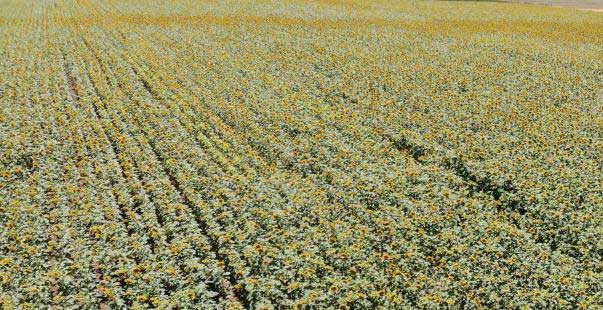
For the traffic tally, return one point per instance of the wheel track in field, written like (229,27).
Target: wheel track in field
(75,97)
(36,105)
(476,184)
(131,182)
(137,178)
(151,243)
(229,283)
(227,289)
(33,92)
(460,168)
(116,155)
(51,238)
(52,221)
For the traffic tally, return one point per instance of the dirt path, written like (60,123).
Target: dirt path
(588,5)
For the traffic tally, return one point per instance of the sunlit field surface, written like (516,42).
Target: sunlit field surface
(300,154)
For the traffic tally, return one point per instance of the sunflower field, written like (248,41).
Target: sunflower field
(322,154)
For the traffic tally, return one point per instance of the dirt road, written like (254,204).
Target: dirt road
(591,5)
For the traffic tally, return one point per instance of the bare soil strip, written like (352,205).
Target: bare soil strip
(591,5)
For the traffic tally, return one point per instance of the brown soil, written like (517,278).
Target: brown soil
(589,5)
